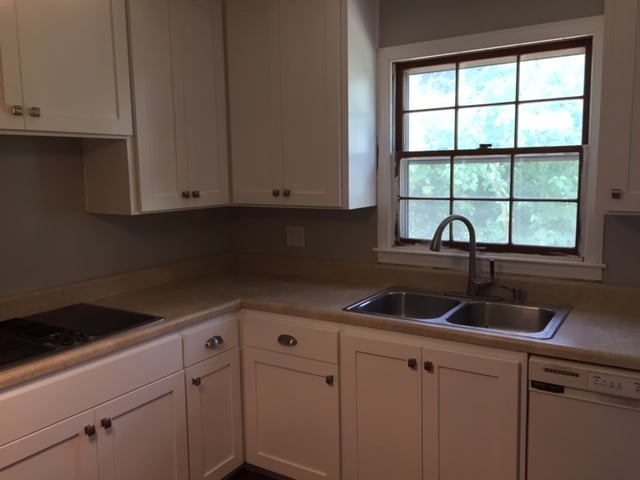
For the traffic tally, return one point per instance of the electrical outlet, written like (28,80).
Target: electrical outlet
(295,236)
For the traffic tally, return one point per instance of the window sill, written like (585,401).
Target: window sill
(533,265)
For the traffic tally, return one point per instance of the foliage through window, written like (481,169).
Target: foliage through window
(496,136)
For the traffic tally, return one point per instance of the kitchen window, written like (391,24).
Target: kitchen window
(503,132)
(497,137)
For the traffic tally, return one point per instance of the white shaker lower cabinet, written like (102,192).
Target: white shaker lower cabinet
(291,396)
(63,448)
(423,409)
(214,402)
(96,421)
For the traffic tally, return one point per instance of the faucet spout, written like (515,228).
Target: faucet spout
(474,284)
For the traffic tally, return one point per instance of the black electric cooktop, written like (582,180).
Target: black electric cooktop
(27,338)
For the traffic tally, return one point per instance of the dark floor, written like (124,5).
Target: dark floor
(251,473)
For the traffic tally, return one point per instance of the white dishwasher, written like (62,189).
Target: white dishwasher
(584,421)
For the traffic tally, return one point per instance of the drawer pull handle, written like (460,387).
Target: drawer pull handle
(412,363)
(214,342)
(287,340)
(106,423)
(196,381)
(90,430)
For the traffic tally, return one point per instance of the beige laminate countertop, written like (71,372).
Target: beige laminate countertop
(609,335)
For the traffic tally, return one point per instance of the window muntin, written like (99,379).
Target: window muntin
(497,137)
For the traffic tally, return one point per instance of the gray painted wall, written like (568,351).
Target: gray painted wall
(49,240)
(410,21)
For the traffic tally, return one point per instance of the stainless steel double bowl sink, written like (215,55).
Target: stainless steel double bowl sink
(532,321)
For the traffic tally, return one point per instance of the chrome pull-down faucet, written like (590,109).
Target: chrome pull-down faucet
(474,284)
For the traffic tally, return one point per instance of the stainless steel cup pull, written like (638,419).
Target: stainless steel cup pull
(214,342)
(287,340)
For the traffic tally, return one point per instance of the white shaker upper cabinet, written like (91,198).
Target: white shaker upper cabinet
(302,102)
(65,67)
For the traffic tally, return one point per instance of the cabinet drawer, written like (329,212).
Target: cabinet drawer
(209,339)
(291,335)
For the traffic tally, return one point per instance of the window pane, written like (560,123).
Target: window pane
(423,216)
(546,124)
(549,224)
(489,218)
(425,177)
(493,125)
(553,176)
(552,75)
(431,87)
(429,130)
(481,177)
(488,81)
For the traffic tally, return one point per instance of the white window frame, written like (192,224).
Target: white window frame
(589,265)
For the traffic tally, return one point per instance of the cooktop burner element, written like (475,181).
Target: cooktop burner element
(46,333)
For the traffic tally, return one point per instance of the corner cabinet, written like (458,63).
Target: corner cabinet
(302,102)
(178,156)
(64,67)
(429,410)
(291,395)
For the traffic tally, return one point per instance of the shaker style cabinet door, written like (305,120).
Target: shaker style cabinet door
(65,450)
(177,64)
(381,409)
(292,418)
(214,415)
(284,60)
(65,67)
(471,412)
(142,435)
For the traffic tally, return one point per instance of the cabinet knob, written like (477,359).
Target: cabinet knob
(195,194)
(428,366)
(186,194)
(275,192)
(286,192)
(17,110)
(196,381)
(213,342)
(287,340)
(34,111)
(617,193)
(412,363)
(106,423)
(329,380)
(90,430)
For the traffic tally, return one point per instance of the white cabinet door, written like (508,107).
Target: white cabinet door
(292,415)
(214,414)
(619,148)
(63,450)
(310,40)
(255,100)
(142,435)
(381,409)
(291,78)
(65,65)
(471,411)
(180,146)
(445,411)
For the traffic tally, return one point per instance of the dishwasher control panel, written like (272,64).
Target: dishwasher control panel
(614,384)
